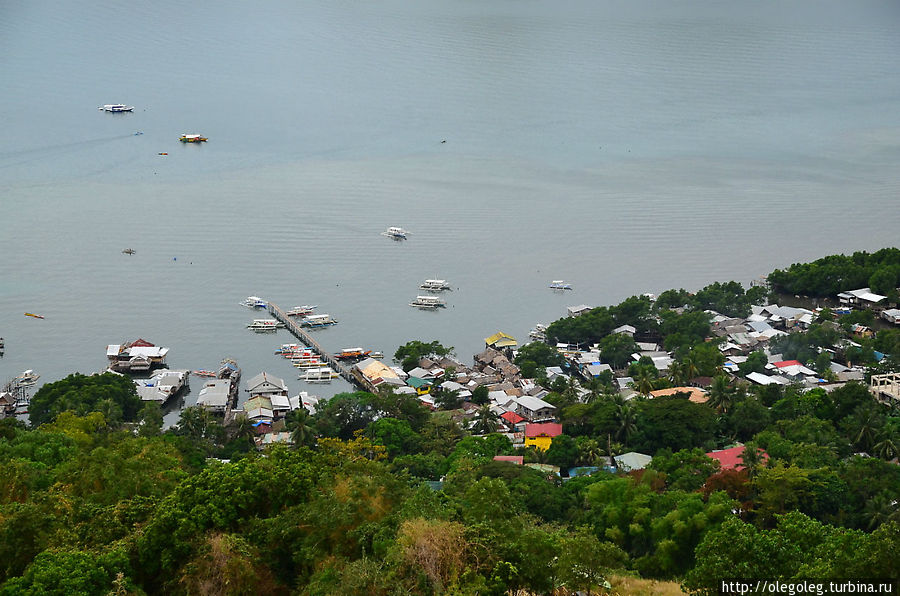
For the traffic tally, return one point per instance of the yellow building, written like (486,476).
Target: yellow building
(541,435)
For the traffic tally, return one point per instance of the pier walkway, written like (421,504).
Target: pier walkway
(301,334)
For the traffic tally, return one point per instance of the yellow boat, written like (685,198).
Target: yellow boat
(192,138)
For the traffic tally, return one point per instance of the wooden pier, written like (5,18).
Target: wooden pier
(301,334)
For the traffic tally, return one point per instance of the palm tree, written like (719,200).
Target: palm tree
(572,390)
(595,388)
(689,368)
(676,374)
(485,421)
(242,427)
(589,452)
(752,458)
(302,434)
(626,415)
(643,382)
(720,394)
(887,447)
(880,509)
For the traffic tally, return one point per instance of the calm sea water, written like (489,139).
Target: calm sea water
(624,147)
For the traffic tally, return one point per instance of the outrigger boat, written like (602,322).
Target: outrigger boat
(186,138)
(395,233)
(558,284)
(128,251)
(116,108)
(352,354)
(204,373)
(428,302)
(322,375)
(435,285)
(318,321)
(265,325)
(254,302)
(301,311)
(31,314)
(27,378)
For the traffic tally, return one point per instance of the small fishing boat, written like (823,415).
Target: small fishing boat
(309,364)
(31,314)
(321,375)
(129,251)
(396,233)
(428,302)
(186,138)
(27,378)
(301,311)
(352,354)
(116,108)
(318,321)
(377,355)
(539,332)
(254,302)
(205,373)
(265,325)
(435,285)
(558,284)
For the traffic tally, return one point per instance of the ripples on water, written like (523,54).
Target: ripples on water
(624,148)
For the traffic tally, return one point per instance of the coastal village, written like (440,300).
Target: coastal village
(688,422)
(517,402)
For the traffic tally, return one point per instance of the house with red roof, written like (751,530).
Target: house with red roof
(541,435)
(514,459)
(511,418)
(730,459)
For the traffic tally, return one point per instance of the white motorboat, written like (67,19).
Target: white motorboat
(558,284)
(27,378)
(116,107)
(321,375)
(427,302)
(435,285)
(395,233)
(301,311)
(265,325)
(254,302)
(317,321)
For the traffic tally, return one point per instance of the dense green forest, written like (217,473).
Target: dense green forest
(95,506)
(830,275)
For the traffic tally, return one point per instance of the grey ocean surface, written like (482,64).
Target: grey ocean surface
(624,147)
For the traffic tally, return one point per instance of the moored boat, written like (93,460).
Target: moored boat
(254,302)
(352,354)
(301,311)
(558,284)
(204,373)
(428,302)
(27,378)
(321,375)
(318,321)
(435,285)
(265,325)
(116,108)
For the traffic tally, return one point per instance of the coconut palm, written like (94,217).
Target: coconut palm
(485,421)
(721,394)
(589,452)
(887,447)
(689,368)
(595,388)
(626,417)
(302,434)
(753,459)
(241,427)
(643,382)
(880,509)
(676,374)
